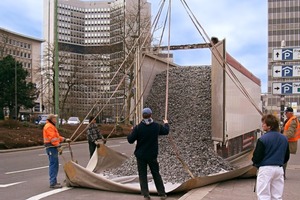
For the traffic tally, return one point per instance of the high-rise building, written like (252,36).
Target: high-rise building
(283,32)
(92,44)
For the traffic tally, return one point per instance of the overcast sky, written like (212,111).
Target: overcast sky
(243,23)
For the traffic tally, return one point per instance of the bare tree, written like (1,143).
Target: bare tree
(124,31)
(67,69)
(136,28)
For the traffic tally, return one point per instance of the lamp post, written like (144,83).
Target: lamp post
(282,103)
(282,97)
(56,73)
(16,92)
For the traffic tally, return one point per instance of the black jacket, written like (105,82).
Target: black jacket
(147,139)
(271,150)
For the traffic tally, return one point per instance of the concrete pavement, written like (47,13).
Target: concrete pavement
(242,189)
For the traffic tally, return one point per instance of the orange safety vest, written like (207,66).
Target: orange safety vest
(51,135)
(297,133)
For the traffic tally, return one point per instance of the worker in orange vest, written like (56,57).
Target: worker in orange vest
(292,131)
(52,141)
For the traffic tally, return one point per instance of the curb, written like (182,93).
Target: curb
(30,148)
(21,149)
(198,193)
(41,147)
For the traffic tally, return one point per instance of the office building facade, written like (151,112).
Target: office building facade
(27,51)
(92,39)
(283,32)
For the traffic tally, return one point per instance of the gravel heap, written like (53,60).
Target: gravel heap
(189,116)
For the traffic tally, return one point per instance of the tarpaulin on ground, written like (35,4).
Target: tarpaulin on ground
(104,158)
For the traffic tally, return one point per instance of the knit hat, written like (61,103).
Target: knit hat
(289,109)
(147,111)
(51,116)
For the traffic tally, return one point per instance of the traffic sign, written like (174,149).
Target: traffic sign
(286,71)
(286,88)
(286,54)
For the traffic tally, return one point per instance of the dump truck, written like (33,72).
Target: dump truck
(236,114)
(235,118)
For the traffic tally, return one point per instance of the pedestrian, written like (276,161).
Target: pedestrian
(291,129)
(146,151)
(270,153)
(93,135)
(52,140)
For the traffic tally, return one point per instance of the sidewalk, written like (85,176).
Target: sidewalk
(238,189)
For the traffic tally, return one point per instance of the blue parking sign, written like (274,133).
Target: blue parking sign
(287,71)
(287,88)
(287,54)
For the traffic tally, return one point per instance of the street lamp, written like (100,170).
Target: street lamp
(16,92)
(282,97)
(282,103)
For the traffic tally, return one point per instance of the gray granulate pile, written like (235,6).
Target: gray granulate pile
(189,116)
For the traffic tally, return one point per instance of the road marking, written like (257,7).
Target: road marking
(44,154)
(46,194)
(10,184)
(27,170)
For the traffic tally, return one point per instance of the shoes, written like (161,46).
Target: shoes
(57,185)
(147,197)
(163,197)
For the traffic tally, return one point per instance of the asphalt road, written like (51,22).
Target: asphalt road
(24,175)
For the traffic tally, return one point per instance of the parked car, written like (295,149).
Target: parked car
(43,121)
(39,118)
(62,121)
(73,121)
(109,120)
(85,121)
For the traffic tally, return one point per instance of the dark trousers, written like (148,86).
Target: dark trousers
(284,170)
(92,147)
(154,168)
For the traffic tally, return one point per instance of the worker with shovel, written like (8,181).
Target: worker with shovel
(52,140)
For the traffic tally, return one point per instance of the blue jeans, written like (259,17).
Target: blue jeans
(53,164)
(154,168)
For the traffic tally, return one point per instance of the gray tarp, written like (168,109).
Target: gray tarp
(105,158)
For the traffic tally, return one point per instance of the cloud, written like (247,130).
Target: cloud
(242,23)
(22,16)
